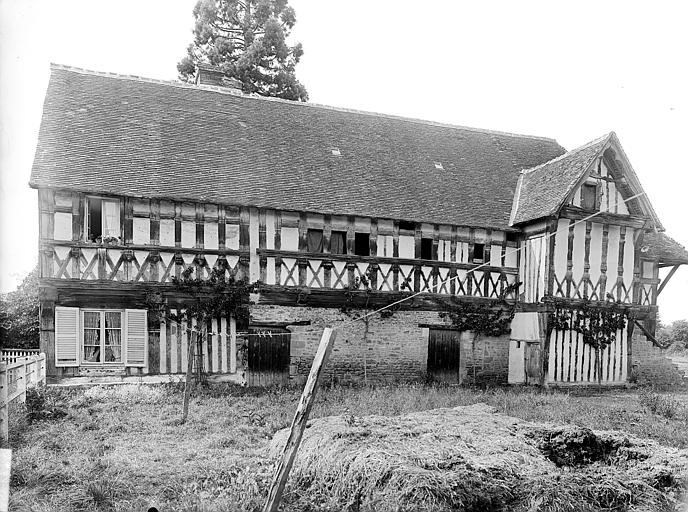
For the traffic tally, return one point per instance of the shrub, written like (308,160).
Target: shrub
(42,405)
(661,405)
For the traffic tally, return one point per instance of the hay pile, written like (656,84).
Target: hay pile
(473,459)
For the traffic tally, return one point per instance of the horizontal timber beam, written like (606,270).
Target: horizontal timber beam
(571,212)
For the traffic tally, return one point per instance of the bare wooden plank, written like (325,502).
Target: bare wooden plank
(5,471)
(298,425)
(4,417)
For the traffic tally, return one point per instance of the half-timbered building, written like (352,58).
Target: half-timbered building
(332,212)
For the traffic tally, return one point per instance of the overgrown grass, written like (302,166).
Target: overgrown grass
(122,448)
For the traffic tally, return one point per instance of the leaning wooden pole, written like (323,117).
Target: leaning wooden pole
(189,376)
(298,425)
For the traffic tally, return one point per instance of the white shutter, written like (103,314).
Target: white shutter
(136,336)
(66,336)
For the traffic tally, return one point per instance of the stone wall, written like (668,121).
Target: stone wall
(650,365)
(385,350)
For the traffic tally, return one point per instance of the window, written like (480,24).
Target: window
(405,225)
(102,336)
(102,219)
(315,240)
(478,253)
(338,242)
(511,236)
(426,248)
(589,196)
(362,244)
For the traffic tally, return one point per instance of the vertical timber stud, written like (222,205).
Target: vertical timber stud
(200,231)
(605,254)
(128,221)
(155,222)
(552,231)
(298,425)
(263,243)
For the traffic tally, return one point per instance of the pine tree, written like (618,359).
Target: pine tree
(247,40)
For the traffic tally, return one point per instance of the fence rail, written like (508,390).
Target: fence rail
(15,379)
(12,355)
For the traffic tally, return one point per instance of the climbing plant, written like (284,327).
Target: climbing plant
(597,324)
(482,319)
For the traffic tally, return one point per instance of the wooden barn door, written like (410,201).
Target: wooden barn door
(444,349)
(533,362)
(268,356)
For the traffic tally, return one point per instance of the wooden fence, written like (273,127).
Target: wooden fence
(11,355)
(15,379)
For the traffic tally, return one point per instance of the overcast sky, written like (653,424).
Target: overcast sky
(572,71)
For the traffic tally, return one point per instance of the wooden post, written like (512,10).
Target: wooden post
(4,423)
(189,376)
(298,425)
(5,469)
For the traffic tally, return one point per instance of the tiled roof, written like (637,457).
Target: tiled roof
(543,189)
(664,248)
(104,133)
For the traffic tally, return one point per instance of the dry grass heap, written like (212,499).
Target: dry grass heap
(474,459)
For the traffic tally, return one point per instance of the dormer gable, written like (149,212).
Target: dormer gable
(596,177)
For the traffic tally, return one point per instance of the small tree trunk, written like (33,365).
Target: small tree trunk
(189,376)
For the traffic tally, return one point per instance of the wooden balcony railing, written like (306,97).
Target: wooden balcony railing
(136,263)
(341,272)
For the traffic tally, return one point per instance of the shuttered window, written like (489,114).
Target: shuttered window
(66,336)
(136,323)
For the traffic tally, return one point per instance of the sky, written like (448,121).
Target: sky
(572,71)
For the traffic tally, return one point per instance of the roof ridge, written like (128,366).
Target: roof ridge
(569,153)
(234,92)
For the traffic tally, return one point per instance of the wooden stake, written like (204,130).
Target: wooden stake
(189,376)
(298,425)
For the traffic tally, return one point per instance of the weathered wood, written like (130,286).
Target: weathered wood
(666,279)
(188,383)
(298,425)
(5,472)
(4,399)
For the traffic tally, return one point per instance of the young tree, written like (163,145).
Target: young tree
(19,314)
(247,40)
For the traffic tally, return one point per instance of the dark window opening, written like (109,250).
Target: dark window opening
(426,248)
(338,242)
(589,196)
(315,240)
(102,219)
(362,244)
(405,225)
(512,237)
(95,219)
(478,253)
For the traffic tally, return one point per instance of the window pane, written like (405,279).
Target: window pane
(337,242)
(91,320)
(113,345)
(113,319)
(315,240)
(362,245)
(110,218)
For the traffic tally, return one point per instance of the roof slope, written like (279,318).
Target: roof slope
(131,136)
(667,250)
(543,188)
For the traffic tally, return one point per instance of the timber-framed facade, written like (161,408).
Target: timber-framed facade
(329,211)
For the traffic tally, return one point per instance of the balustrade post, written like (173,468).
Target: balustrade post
(102,258)
(327,273)
(416,278)
(372,274)
(303,267)
(395,277)
(452,280)
(351,268)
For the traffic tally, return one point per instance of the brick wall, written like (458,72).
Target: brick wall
(649,364)
(387,349)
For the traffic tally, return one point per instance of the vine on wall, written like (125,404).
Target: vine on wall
(597,324)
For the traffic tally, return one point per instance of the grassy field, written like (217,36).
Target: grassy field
(122,448)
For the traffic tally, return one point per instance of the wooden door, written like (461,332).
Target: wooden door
(533,363)
(268,356)
(444,351)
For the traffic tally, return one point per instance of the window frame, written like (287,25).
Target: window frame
(86,222)
(102,329)
(475,259)
(595,192)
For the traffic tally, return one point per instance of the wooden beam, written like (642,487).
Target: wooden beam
(5,470)
(298,425)
(666,279)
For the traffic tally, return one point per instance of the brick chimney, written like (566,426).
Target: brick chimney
(209,75)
